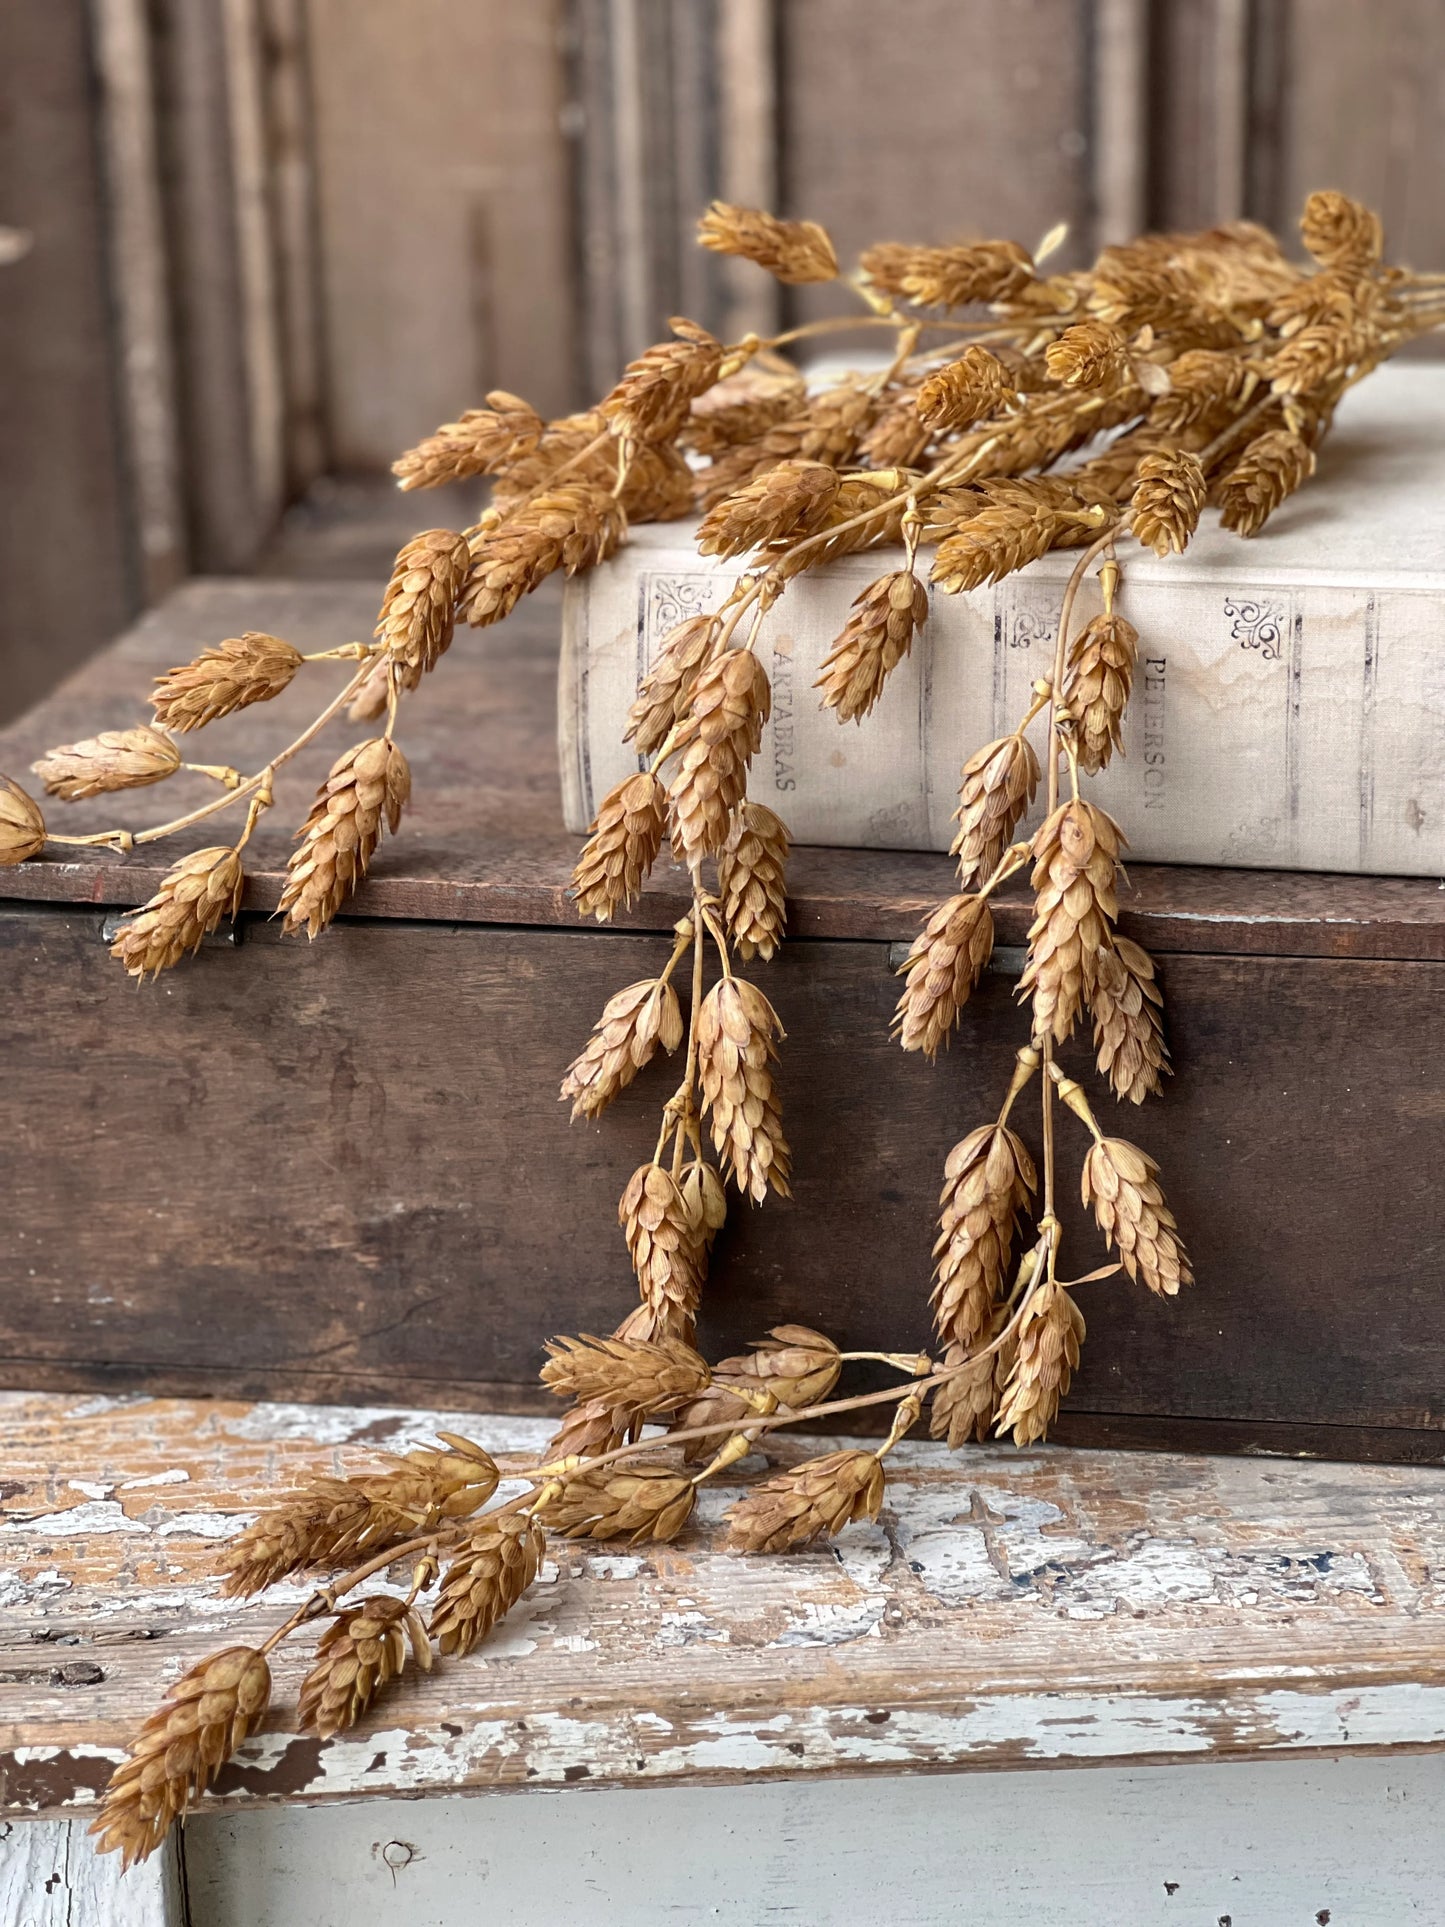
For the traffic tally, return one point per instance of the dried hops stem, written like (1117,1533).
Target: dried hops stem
(639,1500)
(485,1577)
(942,969)
(363,1650)
(1128,1021)
(418,611)
(988,1180)
(204,887)
(572,526)
(877,636)
(482,442)
(665,691)
(626,836)
(1076,864)
(368,786)
(1050,1334)
(246,669)
(1270,469)
(1168,499)
(736,1032)
(996,789)
(665,1244)
(628,1032)
(721,733)
(655,395)
(752,881)
(22,826)
(118,759)
(965,391)
(814,1500)
(1102,660)
(796,252)
(1121,1188)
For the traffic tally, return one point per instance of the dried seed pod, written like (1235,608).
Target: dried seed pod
(1050,1334)
(988,1180)
(1121,1188)
(668,1256)
(626,837)
(706,1200)
(736,1029)
(965,391)
(795,252)
(484,1578)
(370,784)
(234,674)
(204,886)
(656,392)
(813,1501)
(22,827)
(579,444)
(361,1651)
(1102,658)
(898,438)
(1076,864)
(995,791)
(418,611)
(1089,354)
(789,498)
(648,1323)
(740,410)
(1270,469)
(950,277)
(752,881)
(483,441)
(1127,1007)
(881,497)
(1167,501)
(637,1500)
(963,1406)
(332,1522)
(1319,353)
(942,970)
(572,526)
(628,1032)
(117,759)
(875,639)
(1130,293)
(716,740)
(642,1380)
(373,697)
(1339,232)
(1203,382)
(659,485)
(182,1746)
(665,690)
(797,1365)
(999,540)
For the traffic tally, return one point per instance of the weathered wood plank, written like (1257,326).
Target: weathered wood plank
(51,1876)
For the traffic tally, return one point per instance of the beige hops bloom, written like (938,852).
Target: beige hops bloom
(242,670)
(204,887)
(1168,498)
(876,637)
(181,1748)
(736,1029)
(813,1501)
(965,391)
(1089,354)
(637,1499)
(570,526)
(22,827)
(942,969)
(1121,1188)
(1127,1006)
(795,252)
(1340,232)
(655,395)
(963,1406)
(641,1380)
(117,759)
(1003,538)
(1050,1334)
(1076,863)
(1271,468)
(790,498)
(665,690)
(484,440)
(633,1024)
(626,836)
(716,741)
(370,784)
(752,881)
(950,277)
(360,1652)
(996,789)
(485,1577)
(418,611)
(988,1180)
(668,1252)
(1102,658)
(793,1364)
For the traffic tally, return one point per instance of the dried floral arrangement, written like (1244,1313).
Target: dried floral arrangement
(1021,411)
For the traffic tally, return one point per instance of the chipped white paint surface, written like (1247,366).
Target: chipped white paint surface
(1048,1608)
(51,1876)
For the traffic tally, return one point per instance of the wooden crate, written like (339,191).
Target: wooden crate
(340,1170)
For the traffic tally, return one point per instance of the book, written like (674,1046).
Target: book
(1288,709)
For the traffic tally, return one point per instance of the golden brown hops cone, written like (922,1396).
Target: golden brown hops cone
(634,1023)
(965,391)
(736,1028)
(876,495)
(205,886)
(372,699)
(486,1576)
(1204,381)
(1128,1023)
(716,741)
(360,1652)
(1270,469)
(1076,863)
(1340,232)
(791,498)
(483,440)
(1003,538)
(177,1753)
(1101,674)
(942,969)
(950,277)
(1317,355)
(642,1380)
(898,438)
(636,1500)
(797,1365)
(752,881)
(996,789)
(370,784)
(234,674)
(117,759)
(649,1324)
(659,485)
(571,526)
(626,836)
(875,639)
(963,1407)
(794,251)
(22,827)
(1168,498)
(668,1253)
(334,1522)
(1050,1334)
(705,1197)
(988,1180)
(741,409)
(666,689)
(1121,1187)
(418,611)
(813,1501)
(656,392)
(1090,354)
